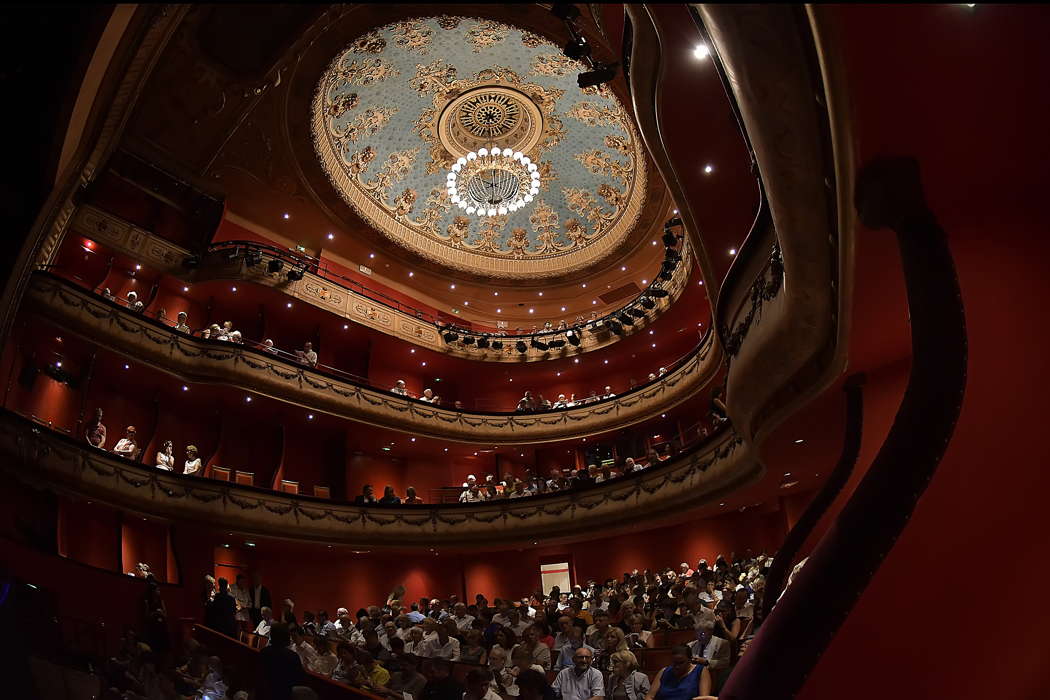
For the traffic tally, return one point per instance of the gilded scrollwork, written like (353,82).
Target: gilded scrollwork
(485,34)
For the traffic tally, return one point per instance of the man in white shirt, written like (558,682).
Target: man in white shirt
(346,628)
(181,326)
(428,396)
(580,681)
(308,355)
(472,495)
(269,347)
(263,628)
(516,624)
(302,647)
(461,617)
(399,388)
(440,646)
(609,393)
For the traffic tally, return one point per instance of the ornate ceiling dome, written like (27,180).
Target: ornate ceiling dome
(397,109)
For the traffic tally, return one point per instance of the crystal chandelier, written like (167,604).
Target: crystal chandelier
(493,181)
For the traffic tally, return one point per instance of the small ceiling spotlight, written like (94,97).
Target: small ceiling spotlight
(331,236)
(708,169)
(286,216)
(295,275)
(600,75)
(577,48)
(701,52)
(732,251)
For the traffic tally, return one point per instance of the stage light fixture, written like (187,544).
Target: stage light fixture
(565,11)
(521,347)
(557,344)
(666,275)
(659,293)
(636,312)
(647,303)
(539,345)
(676,221)
(600,75)
(275,265)
(574,339)
(295,275)
(450,337)
(252,258)
(191,262)
(497,345)
(469,340)
(615,327)
(483,343)
(670,239)
(625,319)
(577,49)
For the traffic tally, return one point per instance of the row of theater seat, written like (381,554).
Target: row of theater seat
(248,479)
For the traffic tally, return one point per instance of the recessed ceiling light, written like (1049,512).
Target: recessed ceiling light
(709,168)
(654,242)
(58,364)
(606,361)
(424,364)
(511,379)
(576,360)
(799,441)
(532,311)
(499,311)
(286,215)
(701,52)
(411,274)
(138,267)
(127,366)
(787,473)
(652,332)
(675,211)
(234,289)
(411,439)
(248,399)
(732,251)
(452,286)
(645,281)
(654,345)
(466,303)
(345,326)
(701,283)
(371,256)
(289,305)
(663,415)
(584,285)
(446,449)
(475,454)
(495,294)
(310,416)
(540,293)
(185,388)
(623,269)
(331,236)
(412,351)
(594,301)
(563,308)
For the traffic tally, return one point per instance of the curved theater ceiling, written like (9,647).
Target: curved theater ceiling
(468,142)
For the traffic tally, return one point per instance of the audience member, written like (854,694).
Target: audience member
(193,461)
(282,668)
(307,355)
(682,680)
(221,612)
(134,303)
(126,446)
(440,684)
(399,388)
(367,496)
(166,456)
(266,623)
(268,346)
(242,598)
(260,598)
(180,324)
(95,433)
(389,497)
(578,681)
(411,498)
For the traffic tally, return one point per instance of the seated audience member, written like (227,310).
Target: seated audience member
(440,683)
(471,650)
(377,676)
(309,623)
(471,480)
(347,670)
(307,356)
(405,679)
(662,372)
(612,642)
(532,685)
(538,653)
(326,627)
(399,388)
(166,457)
(639,637)
(281,666)
(266,624)
(625,680)
(519,490)
(414,642)
(302,646)
(437,642)
(211,332)
(652,377)
(411,498)
(367,496)
(629,466)
(478,683)
(472,494)
(193,461)
(227,328)
(573,643)
(527,404)
(608,393)
(578,681)
(682,679)
(126,446)
(543,404)
(428,396)
(268,346)
(325,660)
(461,618)
(108,294)
(180,324)
(134,303)
(220,614)
(95,433)
(389,497)
(501,670)
(595,633)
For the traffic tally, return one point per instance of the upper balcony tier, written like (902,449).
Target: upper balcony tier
(149,341)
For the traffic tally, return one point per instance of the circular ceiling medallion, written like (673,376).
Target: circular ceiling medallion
(490,115)
(398,107)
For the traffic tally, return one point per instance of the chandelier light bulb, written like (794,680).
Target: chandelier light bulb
(508,153)
(532,167)
(525,160)
(456,168)
(492,212)
(483,152)
(502,210)
(518,155)
(527,198)
(471,156)
(471,210)
(461,161)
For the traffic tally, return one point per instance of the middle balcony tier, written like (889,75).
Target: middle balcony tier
(149,341)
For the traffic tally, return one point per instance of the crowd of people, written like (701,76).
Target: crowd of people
(577,644)
(307,356)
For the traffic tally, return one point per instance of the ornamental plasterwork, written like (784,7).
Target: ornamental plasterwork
(396,108)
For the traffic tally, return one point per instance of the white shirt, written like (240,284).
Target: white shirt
(432,648)
(124,447)
(324,664)
(469,496)
(192,466)
(241,596)
(311,357)
(570,686)
(264,628)
(463,623)
(307,653)
(182,328)
(165,461)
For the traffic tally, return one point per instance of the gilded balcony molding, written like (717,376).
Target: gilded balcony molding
(794,344)
(323,293)
(44,458)
(214,362)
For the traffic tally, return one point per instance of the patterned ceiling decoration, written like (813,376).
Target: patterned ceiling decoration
(394,111)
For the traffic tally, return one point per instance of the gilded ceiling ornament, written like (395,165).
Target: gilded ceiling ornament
(413,34)
(388,127)
(555,64)
(369,43)
(366,72)
(433,77)
(486,33)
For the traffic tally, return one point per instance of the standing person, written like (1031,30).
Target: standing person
(260,598)
(126,446)
(440,683)
(281,666)
(155,619)
(242,597)
(193,461)
(221,613)
(580,681)
(682,680)
(95,433)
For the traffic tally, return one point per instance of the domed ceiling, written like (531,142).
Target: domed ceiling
(400,105)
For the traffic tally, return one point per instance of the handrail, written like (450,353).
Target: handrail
(703,473)
(261,352)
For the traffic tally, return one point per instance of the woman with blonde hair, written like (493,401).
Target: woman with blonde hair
(614,641)
(625,681)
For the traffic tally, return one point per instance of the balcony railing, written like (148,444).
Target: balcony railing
(108,323)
